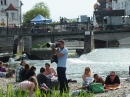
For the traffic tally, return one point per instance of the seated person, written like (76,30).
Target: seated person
(23,72)
(11,59)
(87,76)
(8,74)
(49,72)
(87,79)
(30,73)
(1,65)
(24,56)
(4,67)
(98,79)
(112,81)
(41,78)
(30,84)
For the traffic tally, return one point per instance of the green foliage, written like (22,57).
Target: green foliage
(115,41)
(73,21)
(44,45)
(38,45)
(34,46)
(12,93)
(39,8)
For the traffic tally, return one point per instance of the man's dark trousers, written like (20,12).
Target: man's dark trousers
(62,79)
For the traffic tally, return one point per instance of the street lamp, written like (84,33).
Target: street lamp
(7,21)
(20,12)
(6,13)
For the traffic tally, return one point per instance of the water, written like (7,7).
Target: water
(101,61)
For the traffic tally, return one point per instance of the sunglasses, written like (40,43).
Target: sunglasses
(87,70)
(112,75)
(59,44)
(96,77)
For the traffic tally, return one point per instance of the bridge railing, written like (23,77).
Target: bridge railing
(15,31)
(60,27)
(112,27)
(45,28)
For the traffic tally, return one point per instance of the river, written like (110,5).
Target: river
(101,61)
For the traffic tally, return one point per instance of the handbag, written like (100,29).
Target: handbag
(96,88)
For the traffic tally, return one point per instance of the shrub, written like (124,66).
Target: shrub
(44,45)
(38,45)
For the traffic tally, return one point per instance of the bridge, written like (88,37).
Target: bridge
(67,35)
(17,37)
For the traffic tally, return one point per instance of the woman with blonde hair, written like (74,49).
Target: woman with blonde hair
(87,79)
(30,85)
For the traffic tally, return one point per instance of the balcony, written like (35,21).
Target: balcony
(108,1)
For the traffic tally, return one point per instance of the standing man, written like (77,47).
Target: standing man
(62,54)
(18,71)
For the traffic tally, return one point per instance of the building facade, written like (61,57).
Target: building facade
(118,5)
(117,12)
(10,13)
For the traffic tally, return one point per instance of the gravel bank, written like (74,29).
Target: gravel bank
(122,92)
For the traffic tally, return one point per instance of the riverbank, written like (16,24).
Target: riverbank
(122,92)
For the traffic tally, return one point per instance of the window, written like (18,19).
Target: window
(3,2)
(12,16)
(119,5)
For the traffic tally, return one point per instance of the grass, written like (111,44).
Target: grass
(12,93)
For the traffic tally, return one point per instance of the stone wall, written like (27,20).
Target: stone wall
(6,44)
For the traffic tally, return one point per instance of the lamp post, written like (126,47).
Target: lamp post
(7,21)
(20,12)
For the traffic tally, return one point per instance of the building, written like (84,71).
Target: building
(102,4)
(117,12)
(120,5)
(10,13)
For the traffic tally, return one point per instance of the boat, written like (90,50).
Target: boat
(4,57)
(13,63)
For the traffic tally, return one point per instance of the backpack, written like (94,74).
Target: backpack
(96,88)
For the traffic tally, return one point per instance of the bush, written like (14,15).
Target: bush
(38,45)
(44,45)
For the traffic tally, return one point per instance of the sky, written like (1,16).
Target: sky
(65,8)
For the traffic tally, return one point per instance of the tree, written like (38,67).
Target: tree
(39,8)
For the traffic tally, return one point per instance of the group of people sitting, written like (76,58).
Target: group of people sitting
(27,78)
(111,82)
(5,71)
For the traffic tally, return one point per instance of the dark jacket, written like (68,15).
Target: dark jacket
(41,78)
(28,74)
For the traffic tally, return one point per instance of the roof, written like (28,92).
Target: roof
(11,7)
(40,19)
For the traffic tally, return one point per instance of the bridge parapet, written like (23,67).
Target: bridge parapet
(46,29)
(15,31)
